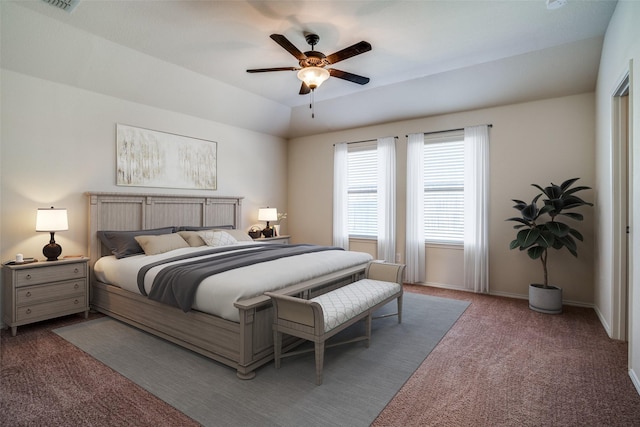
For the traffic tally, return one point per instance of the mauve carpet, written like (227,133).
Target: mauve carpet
(46,381)
(501,364)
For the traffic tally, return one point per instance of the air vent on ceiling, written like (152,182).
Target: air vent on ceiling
(66,5)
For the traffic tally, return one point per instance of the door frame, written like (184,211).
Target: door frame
(621,198)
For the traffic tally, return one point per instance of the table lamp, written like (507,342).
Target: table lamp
(267,214)
(52,220)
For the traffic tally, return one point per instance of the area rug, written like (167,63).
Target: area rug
(358,381)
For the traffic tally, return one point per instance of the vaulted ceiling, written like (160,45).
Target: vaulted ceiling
(427,57)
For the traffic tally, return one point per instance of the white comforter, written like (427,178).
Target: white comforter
(217,293)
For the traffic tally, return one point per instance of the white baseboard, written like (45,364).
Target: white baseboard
(603,321)
(501,294)
(635,380)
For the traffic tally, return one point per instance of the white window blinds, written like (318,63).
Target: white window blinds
(362,190)
(444,188)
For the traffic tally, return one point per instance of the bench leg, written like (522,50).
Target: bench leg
(367,327)
(277,347)
(319,361)
(400,309)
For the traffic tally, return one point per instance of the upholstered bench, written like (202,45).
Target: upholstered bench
(320,318)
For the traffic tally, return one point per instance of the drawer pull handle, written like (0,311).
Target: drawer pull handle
(76,302)
(28,311)
(28,276)
(76,286)
(28,294)
(75,270)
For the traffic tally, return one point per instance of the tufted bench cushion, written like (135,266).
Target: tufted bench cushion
(319,318)
(347,302)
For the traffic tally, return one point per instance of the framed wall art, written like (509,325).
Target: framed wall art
(149,158)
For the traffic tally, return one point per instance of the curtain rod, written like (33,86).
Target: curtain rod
(448,130)
(366,140)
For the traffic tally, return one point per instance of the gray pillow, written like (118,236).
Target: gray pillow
(123,243)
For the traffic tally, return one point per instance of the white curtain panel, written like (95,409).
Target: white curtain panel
(415,252)
(340,196)
(386,151)
(476,207)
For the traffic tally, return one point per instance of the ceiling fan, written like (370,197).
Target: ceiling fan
(312,69)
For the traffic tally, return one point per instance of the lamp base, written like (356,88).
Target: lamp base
(52,251)
(267,232)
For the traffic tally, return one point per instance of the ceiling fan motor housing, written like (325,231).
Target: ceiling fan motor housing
(314,59)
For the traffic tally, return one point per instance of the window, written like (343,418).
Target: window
(362,190)
(444,188)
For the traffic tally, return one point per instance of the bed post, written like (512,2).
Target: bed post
(247,320)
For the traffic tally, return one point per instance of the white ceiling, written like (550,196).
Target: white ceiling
(456,55)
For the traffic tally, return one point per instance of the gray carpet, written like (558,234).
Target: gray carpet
(358,381)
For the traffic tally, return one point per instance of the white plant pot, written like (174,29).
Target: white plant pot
(545,300)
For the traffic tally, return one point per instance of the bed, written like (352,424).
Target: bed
(241,336)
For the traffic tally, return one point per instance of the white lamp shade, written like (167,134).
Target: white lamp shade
(51,219)
(267,214)
(313,76)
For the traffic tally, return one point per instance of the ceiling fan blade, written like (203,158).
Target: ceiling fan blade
(348,76)
(288,46)
(266,70)
(348,52)
(304,89)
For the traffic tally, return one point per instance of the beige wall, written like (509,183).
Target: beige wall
(536,142)
(59,142)
(620,55)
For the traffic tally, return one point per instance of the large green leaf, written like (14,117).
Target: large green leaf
(519,204)
(546,239)
(528,237)
(568,183)
(535,252)
(558,229)
(520,220)
(573,215)
(530,212)
(575,233)
(570,244)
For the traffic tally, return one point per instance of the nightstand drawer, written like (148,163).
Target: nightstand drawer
(35,294)
(49,274)
(44,310)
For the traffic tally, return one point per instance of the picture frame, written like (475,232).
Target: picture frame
(151,158)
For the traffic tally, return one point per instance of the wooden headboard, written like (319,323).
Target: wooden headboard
(121,211)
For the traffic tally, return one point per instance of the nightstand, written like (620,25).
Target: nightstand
(43,290)
(283,240)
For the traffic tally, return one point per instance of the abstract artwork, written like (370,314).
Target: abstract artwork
(149,158)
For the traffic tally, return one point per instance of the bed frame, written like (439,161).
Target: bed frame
(243,346)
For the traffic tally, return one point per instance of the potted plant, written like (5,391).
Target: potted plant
(540,230)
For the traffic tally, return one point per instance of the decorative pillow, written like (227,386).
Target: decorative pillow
(192,238)
(217,238)
(239,235)
(123,243)
(153,245)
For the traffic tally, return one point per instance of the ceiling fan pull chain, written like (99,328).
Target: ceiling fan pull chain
(313,111)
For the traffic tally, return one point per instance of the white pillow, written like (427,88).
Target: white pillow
(239,235)
(217,238)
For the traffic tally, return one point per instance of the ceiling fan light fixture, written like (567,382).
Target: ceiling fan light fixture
(313,76)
